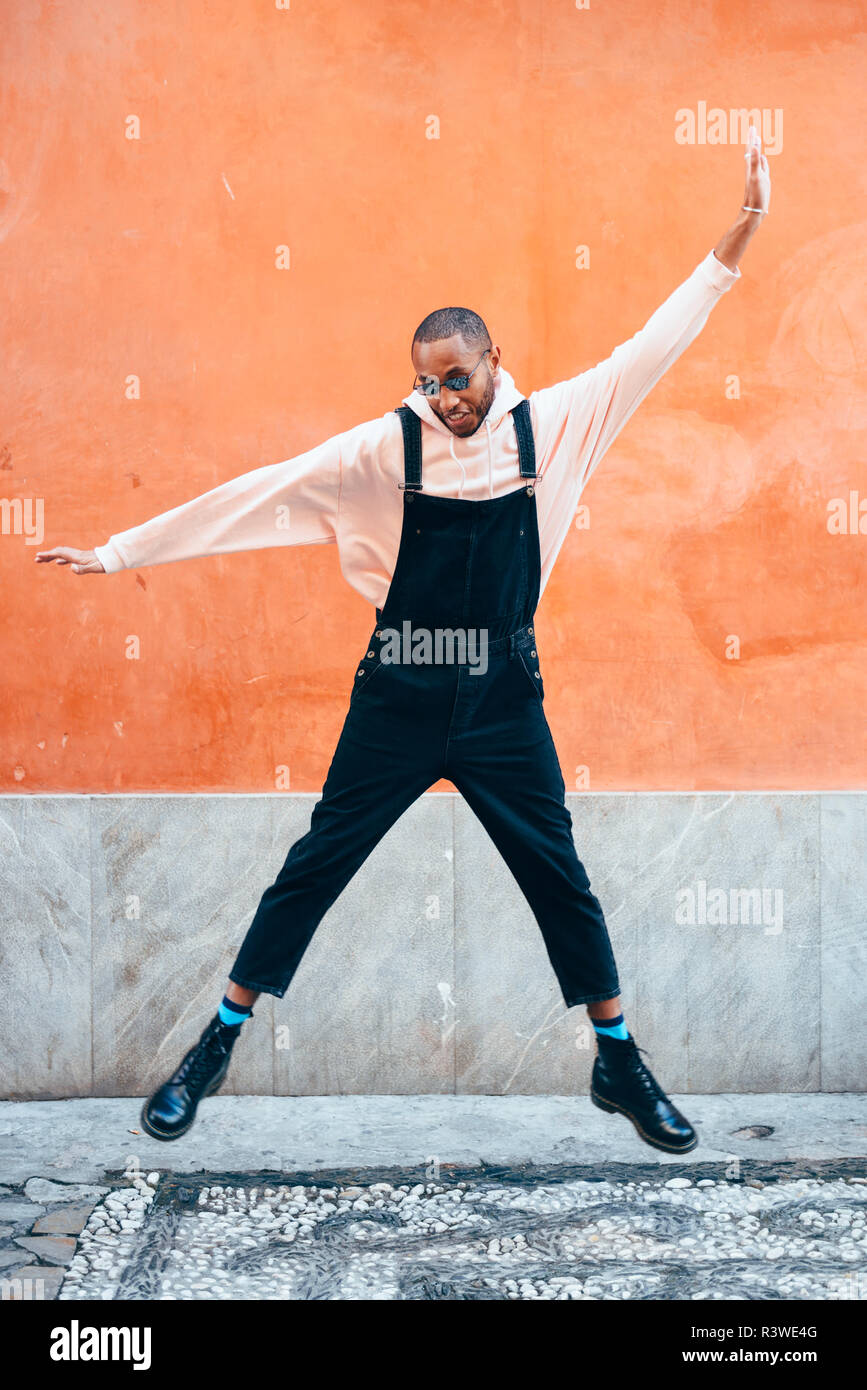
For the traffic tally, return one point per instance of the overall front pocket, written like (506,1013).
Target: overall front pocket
(530,665)
(365,670)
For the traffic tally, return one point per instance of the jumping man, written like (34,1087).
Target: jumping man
(448,514)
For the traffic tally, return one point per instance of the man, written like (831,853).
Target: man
(450,545)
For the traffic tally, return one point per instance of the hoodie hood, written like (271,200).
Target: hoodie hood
(506,397)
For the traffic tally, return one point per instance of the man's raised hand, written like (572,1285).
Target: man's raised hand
(757,192)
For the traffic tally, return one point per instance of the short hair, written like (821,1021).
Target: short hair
(444,323)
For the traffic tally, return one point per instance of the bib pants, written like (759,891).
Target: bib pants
(461,565)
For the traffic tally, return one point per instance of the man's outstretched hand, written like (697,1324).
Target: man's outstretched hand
(82,561)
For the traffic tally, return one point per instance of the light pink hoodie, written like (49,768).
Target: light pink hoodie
(346,489)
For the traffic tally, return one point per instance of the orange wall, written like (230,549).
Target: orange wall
(307,127)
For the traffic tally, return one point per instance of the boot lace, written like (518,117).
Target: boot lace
(199,1062)
(644,1075)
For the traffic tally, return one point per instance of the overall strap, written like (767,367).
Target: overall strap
(526,444)
(411,425)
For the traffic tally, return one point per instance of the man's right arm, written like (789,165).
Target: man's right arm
(290,503)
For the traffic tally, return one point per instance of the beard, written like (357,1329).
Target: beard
(482,408)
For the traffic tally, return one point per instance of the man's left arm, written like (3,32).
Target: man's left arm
(583,415)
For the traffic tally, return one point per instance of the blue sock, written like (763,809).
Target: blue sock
(233,1014)
(610,1027)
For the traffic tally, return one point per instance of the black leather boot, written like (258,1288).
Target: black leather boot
(172,1107)
(621,1083)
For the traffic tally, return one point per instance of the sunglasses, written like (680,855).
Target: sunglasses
(430,385)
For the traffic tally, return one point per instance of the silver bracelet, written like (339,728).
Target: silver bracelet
(746,209)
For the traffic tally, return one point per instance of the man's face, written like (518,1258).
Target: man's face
(462,411)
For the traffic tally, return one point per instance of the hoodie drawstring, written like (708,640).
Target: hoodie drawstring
(463,470)
(460,465)
(490,461)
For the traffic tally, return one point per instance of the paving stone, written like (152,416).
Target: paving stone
(45,1190)
(38,1281)
(57,1249)
(17,1209)
(65,1221)
(9,1257)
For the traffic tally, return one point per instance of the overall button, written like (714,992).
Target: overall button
(530,630)
(370,653)
(379,634)
(533,652)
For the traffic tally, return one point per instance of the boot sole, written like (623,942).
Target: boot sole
(156,1133)
(613,1109)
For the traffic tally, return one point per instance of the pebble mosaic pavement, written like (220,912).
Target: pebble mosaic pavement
(776,1232)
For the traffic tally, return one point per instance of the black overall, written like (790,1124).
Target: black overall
(461,565)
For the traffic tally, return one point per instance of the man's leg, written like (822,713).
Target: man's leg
(364,794)
(517,791)
(247,997)
(604,1008)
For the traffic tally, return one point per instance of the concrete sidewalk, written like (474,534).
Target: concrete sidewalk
(83,1141)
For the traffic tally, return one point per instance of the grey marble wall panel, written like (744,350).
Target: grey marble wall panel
(371,1007)
(121,917)
(718,991)
(844,943)
(176,881)
(727,1006)
(514,1034)
(45,949)
(752,996)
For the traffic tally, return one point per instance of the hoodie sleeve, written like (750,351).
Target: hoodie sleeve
(584,414)
(290,503)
